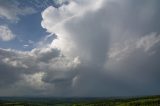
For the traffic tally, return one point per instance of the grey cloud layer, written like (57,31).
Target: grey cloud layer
(108,48)
(11,10)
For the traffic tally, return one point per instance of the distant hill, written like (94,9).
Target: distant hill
(132,101)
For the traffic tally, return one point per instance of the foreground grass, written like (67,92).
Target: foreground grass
(141,101)
(147,101)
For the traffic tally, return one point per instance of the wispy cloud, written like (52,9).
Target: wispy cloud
(11,10)
(5,33)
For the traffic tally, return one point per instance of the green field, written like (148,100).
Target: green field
(134,101)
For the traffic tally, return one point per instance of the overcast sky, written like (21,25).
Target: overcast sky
(82,48)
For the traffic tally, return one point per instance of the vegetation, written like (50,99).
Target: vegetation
(139,101)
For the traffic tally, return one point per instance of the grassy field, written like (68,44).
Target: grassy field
(138,101)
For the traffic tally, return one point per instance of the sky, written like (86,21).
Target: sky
(79,48)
